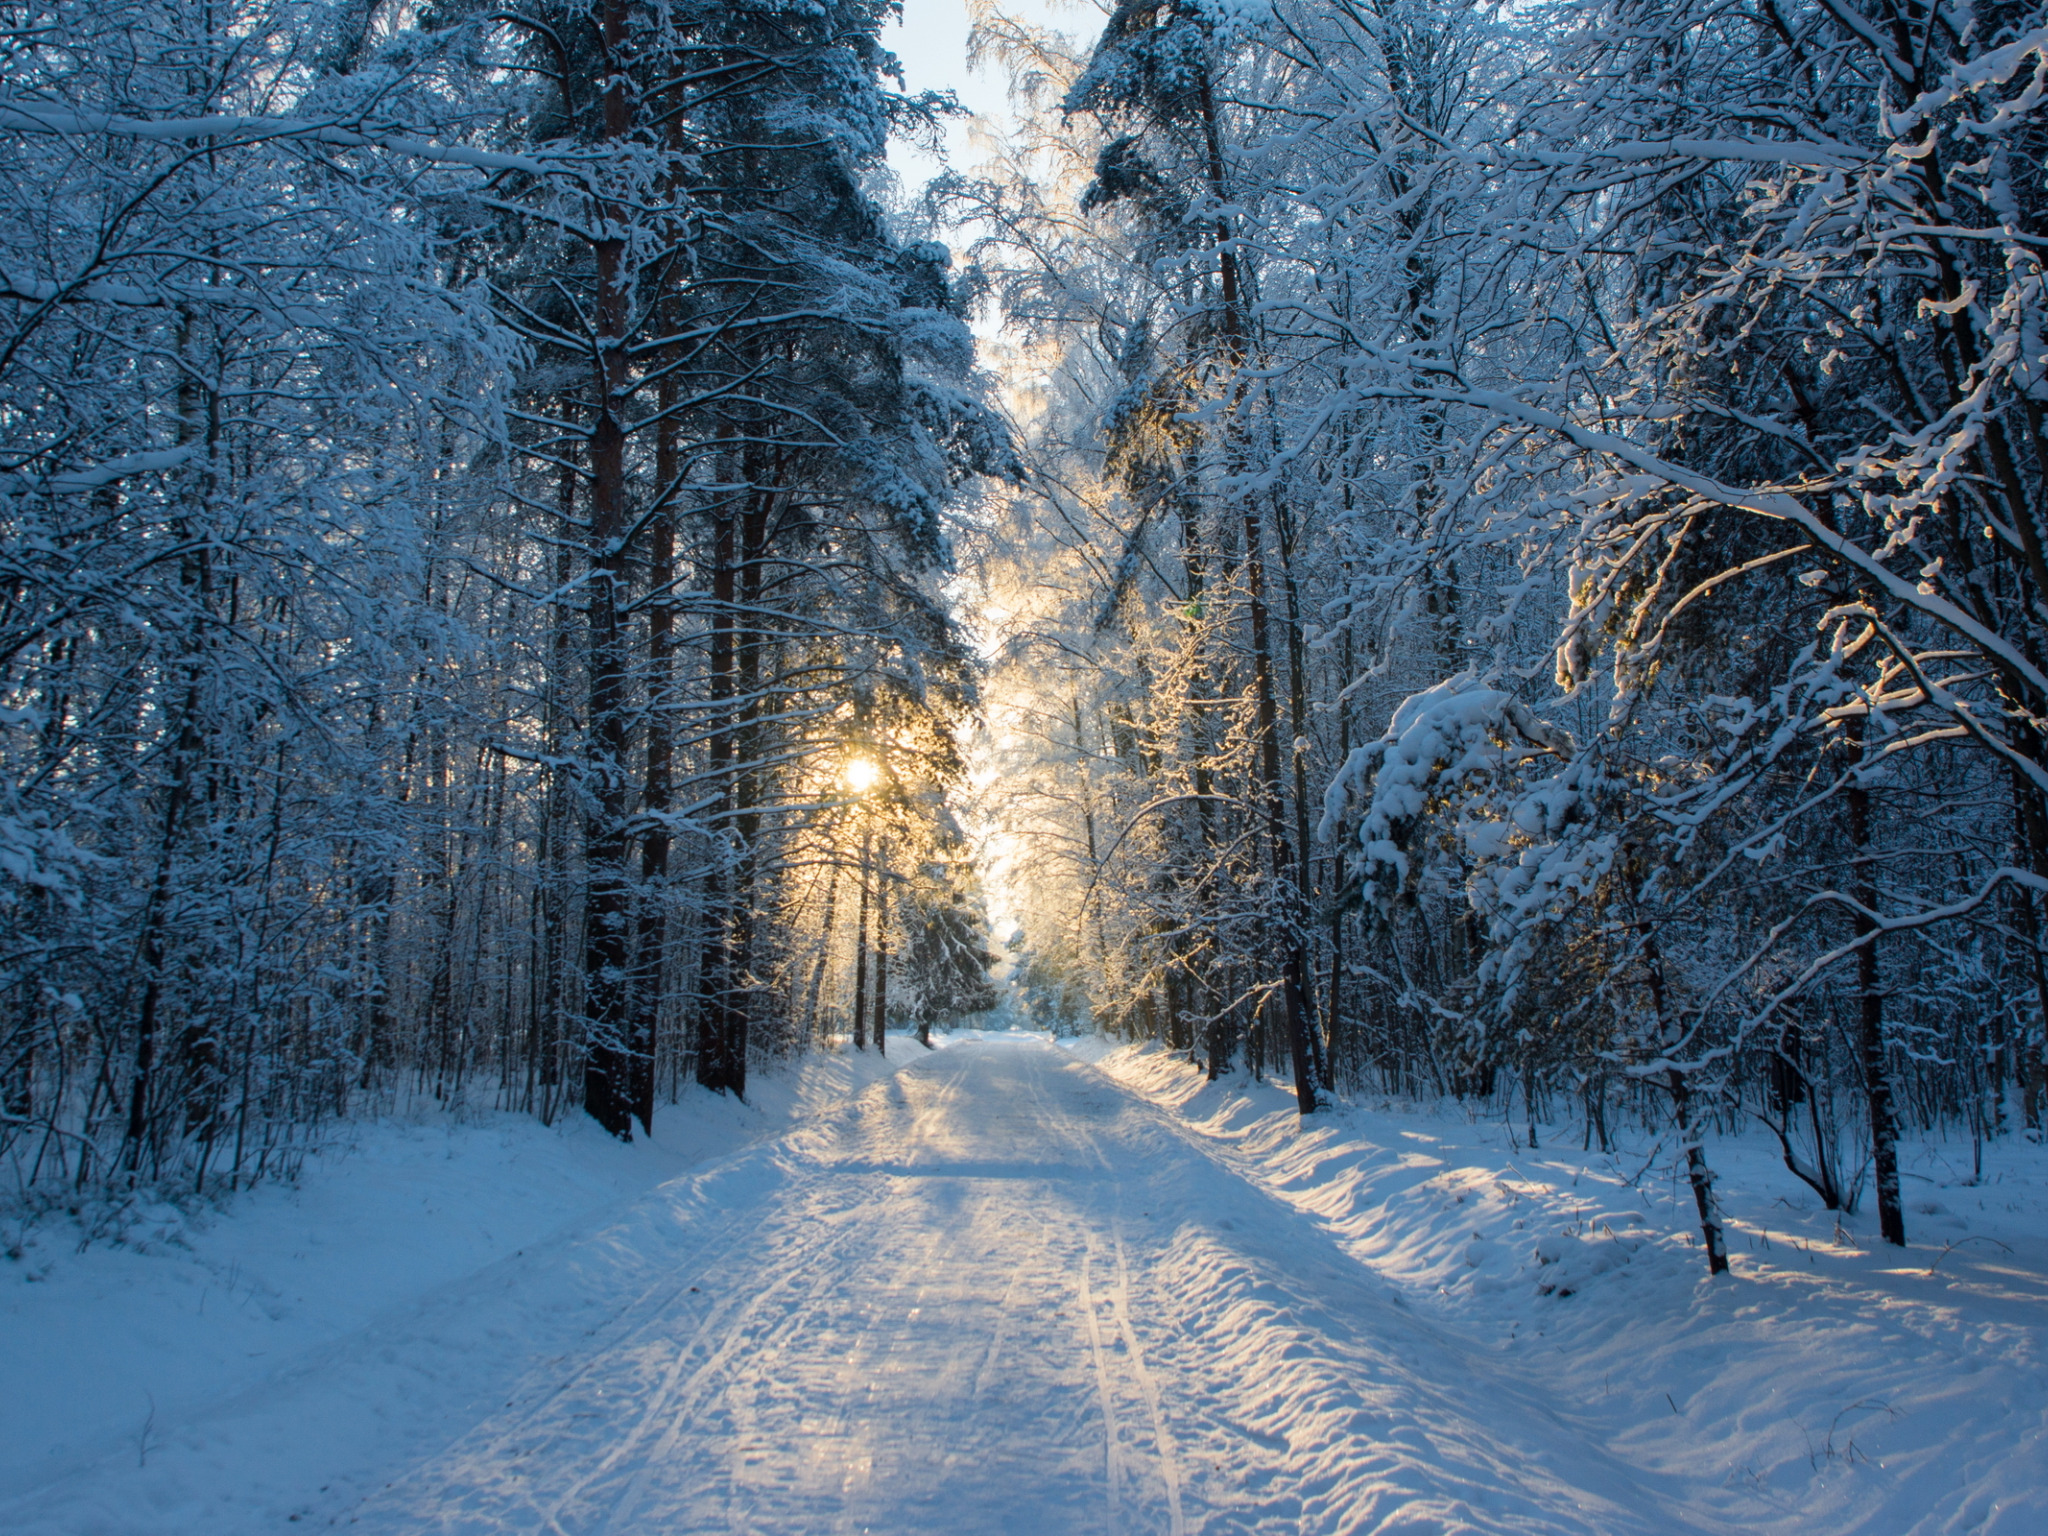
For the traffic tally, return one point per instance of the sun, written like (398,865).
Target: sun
(860,774)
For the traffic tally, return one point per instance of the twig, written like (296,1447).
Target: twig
(1954,1243)
(1850,1453)
(1655,1152)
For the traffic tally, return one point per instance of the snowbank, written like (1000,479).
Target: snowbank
(1831,1384)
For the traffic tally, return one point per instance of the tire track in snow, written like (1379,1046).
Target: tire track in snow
(646,1316)
(984,1375)
(673,1404)
(1113,1462)
(692,1397)
(1148,1388)
(1105,1391)
(821,1261)
(1142,1378)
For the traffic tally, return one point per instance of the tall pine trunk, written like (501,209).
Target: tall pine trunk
(1285,868)
(715,977)
(607,1062)
(658,791)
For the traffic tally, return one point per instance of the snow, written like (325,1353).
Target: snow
(1833,1384)
(121,1353)
(1443,742)
(1008,1285)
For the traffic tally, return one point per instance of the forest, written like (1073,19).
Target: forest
(1411,547)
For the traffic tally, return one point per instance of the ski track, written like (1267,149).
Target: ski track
(999,1293)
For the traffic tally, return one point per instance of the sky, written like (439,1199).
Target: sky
(931,41)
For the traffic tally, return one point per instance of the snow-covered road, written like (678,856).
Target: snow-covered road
(998,1293)
(995,1288)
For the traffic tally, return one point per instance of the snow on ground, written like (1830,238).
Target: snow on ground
(111,1348)
(1833,1384)
(999,1294)
(997,1288)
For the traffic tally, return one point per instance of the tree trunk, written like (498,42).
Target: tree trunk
(714,986)
(1701,1176)
(882,955)
(607,1068)
(860,956)
(824,960)
(652,940)
(553,896)
(1195,568)
(152,956)
(1297,710)
(1697,1170)
(749,780)
(1871,1042)
(1285,868)
(1294,999)
(188,746)
(2031,1048)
